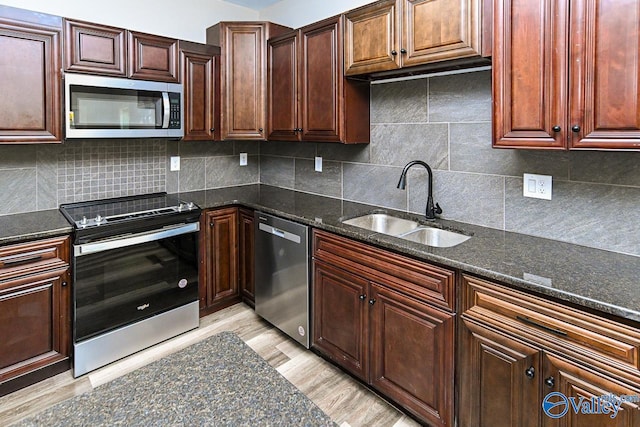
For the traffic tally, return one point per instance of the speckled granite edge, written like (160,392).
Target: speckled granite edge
(220,381)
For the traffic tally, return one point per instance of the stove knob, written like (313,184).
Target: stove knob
(98,219)
(83,221)
(190,205)
(180,207)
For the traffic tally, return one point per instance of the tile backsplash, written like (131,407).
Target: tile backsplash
(443,120)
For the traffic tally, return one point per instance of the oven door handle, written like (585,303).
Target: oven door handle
(134,239)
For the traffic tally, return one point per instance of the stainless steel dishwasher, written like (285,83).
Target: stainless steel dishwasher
(282,275)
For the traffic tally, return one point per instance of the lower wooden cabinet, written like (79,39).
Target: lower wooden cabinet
(219,257)
(35,313)
(525,361)
(401,345)
(246,256)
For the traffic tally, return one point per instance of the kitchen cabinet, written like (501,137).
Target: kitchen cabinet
(565,74)
(516,348)
(219,258)
(246,255)
(101,49)
(243,82)
(35,313)
(394,34)
(376,314)
(309,99)
(30,63)
(200,73)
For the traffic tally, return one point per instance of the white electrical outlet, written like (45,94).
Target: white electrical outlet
(243,159)
(537,186)
(318,164)
(175,163)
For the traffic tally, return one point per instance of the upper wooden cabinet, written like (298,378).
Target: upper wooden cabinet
(309,98)
(392,34)
(100,49)
(565,74)
(200,73)
(30,62)
(243,82)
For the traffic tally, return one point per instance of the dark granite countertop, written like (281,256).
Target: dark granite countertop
(32,225)
(601,280)
(604,281)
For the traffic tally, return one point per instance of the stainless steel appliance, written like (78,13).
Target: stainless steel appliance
(282,275)
(135,275)
(110,107)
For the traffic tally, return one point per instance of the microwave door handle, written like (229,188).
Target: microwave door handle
(166,109)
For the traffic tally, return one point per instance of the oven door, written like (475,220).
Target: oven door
(122,280)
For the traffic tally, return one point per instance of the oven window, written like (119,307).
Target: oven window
(121,286)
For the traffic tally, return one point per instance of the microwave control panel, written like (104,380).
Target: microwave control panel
(174,106)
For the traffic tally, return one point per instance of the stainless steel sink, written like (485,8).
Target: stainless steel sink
(383,223)
(407,229)
(436,237)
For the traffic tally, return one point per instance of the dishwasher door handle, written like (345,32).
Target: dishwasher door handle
(280,233)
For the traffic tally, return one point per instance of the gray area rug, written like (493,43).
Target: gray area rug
(217,382)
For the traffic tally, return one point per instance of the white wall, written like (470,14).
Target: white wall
(296,13)
(181,19)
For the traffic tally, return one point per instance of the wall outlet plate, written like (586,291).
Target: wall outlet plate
(318,165)
(175,163)
(243,159)
(537,186)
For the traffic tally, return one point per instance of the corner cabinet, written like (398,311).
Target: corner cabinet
(389,321)
(309,99)
(200,72)
(393,34)
(516,348)
(565,74)
(35,312)
(219,258)
(30,80)
(243,82)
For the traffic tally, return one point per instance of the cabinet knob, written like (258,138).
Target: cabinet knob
(211,224)
(372,301)
(403,51)
(556,128)
(64,283)
(575,128)
(260,130)
(362,297)
(550,382)
(394,53)
(530,373)
(212,130)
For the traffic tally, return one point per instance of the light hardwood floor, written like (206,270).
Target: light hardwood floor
(346,401)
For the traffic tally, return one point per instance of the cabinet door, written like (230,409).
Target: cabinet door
(372,38)
(30,65)
(340,318)
(529,70)
(579,386)
(605,74)
(498,380)
(437,30)
(412,354)
(283,88)
(247,255)
(153,57)
(220,284)
(94,48)
(35,329)
(199,72)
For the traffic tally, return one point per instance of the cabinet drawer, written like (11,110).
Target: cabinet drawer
(413,277)
(34,257)
(553,326)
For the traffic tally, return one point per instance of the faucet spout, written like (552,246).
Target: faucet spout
(432,209)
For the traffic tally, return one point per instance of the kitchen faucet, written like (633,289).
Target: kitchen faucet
(431,209)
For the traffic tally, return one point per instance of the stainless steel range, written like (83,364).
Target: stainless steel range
(135,275)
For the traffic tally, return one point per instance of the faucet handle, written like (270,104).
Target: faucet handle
(438,209)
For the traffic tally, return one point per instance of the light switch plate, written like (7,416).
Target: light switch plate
(537,186)
(318,166)
(175,163)
(243,159)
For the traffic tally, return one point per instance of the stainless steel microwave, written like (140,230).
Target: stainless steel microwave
(109,107)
